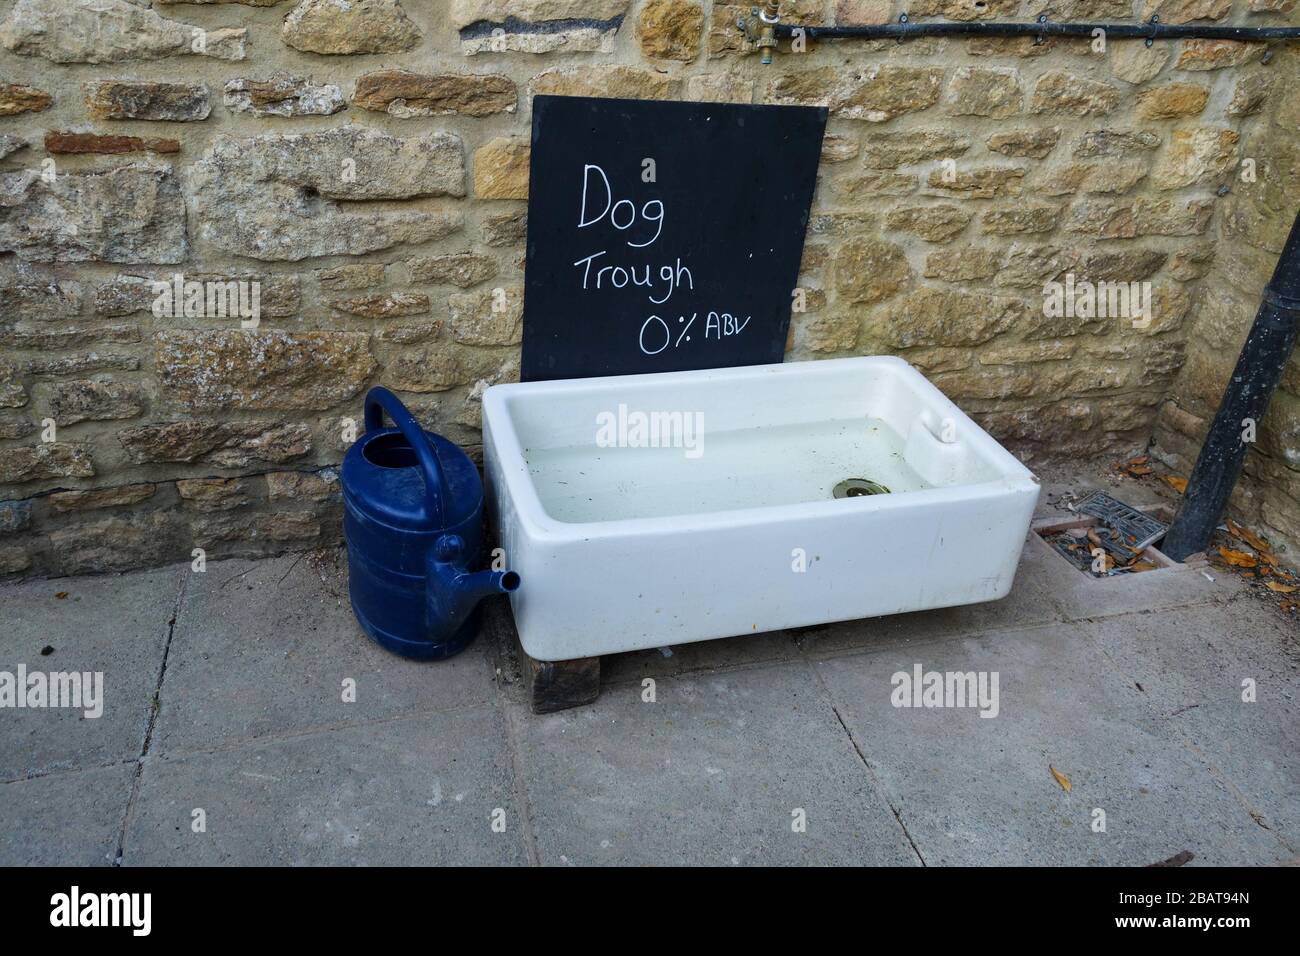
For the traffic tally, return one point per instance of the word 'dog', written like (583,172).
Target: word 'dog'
(597,193)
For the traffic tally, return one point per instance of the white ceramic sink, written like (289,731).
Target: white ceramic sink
(622,547)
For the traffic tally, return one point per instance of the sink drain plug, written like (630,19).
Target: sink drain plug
(857,487)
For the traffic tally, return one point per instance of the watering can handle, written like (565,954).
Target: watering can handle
(380,400)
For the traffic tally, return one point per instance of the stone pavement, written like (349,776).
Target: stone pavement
(225,735)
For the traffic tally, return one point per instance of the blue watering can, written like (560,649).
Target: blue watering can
(413,522)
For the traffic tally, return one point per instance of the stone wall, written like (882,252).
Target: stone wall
(364,162)
(1249,232)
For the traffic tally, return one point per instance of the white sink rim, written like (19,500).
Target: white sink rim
(532,513)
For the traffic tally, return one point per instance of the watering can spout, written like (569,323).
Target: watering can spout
(452,592)
(483,584)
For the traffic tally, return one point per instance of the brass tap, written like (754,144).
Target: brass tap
(760,28)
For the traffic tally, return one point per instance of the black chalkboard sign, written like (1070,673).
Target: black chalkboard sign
(663,236)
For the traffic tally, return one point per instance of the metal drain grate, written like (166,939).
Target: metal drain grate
(1133,529)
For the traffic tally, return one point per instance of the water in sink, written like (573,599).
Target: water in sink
(742,468)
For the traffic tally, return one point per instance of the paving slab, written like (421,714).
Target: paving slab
(1191,666)
(115,626)
(1137,700)
(264,647)
(711,773)
(1032,601)
(64,819)
(973,790)
(412,791)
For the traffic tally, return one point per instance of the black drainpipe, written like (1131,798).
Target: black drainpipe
(1246,398)
(1150,31)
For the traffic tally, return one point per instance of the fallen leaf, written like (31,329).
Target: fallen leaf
(1238,559)
(61,595)
(1245,534)
(1178,484)
(1281,588)
(1143,565)
(1093,538)
(1061,778)
(1138,467)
